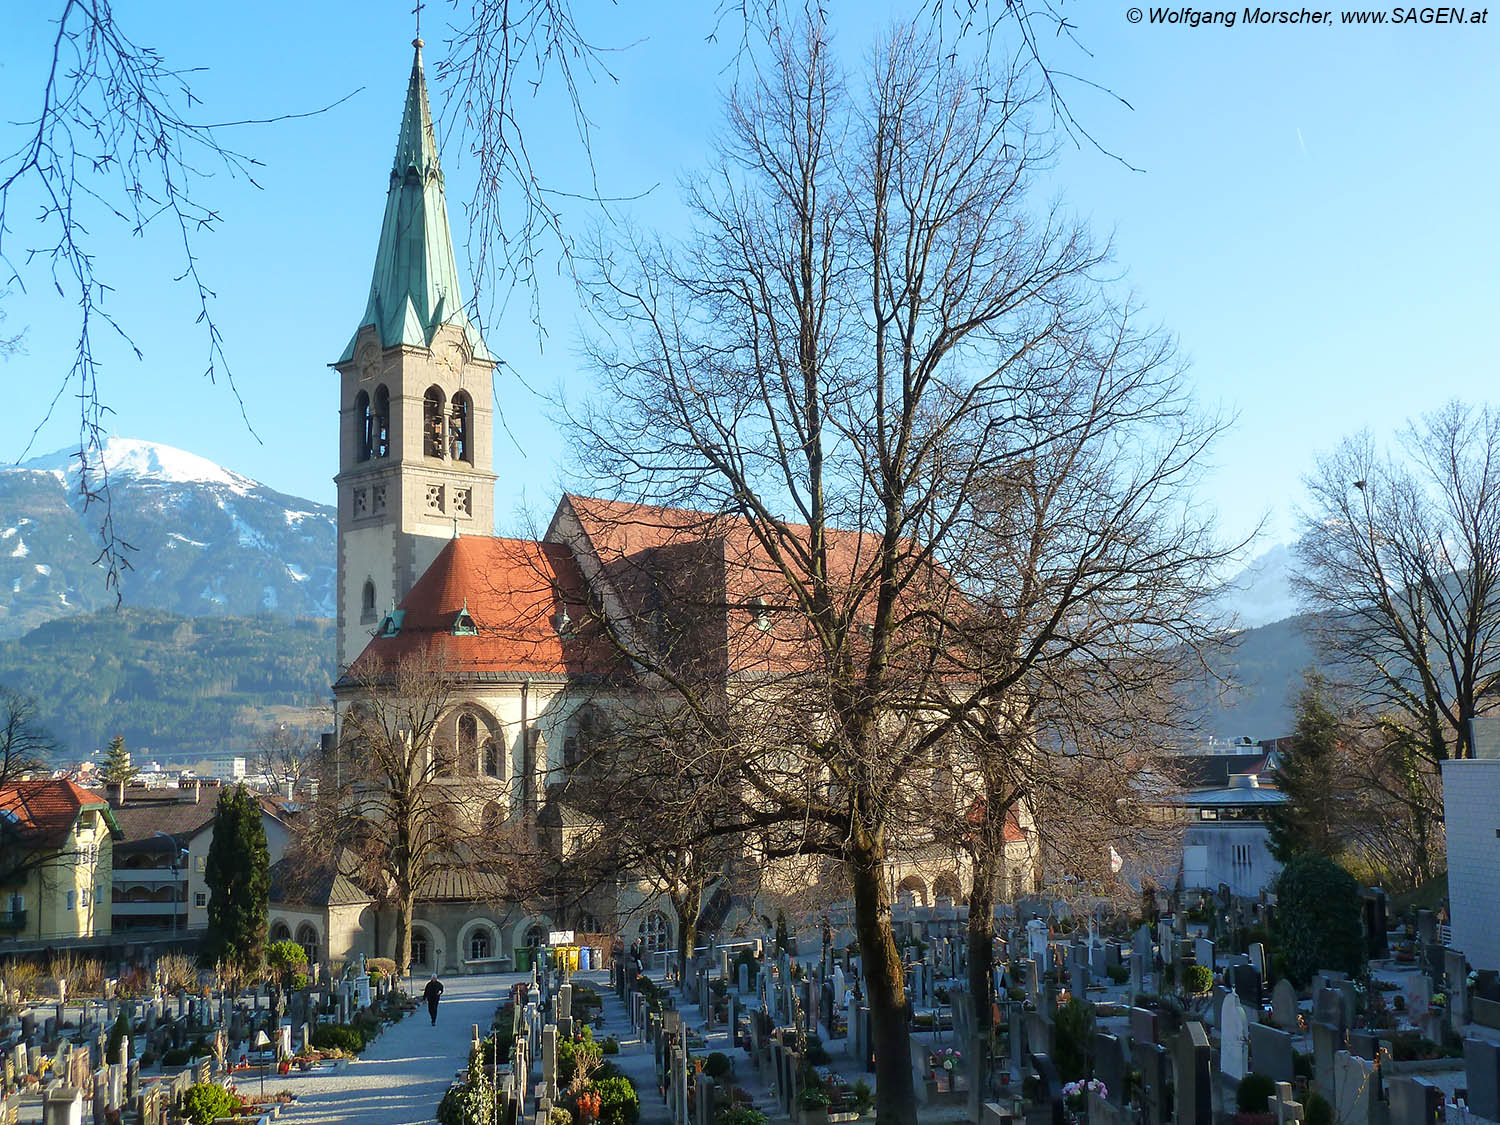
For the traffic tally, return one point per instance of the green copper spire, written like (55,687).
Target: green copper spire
(415,288)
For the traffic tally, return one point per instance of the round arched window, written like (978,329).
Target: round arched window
(656,932)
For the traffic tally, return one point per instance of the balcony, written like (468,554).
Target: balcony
(12,921)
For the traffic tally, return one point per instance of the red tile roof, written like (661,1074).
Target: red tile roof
(515,591)
(44,812)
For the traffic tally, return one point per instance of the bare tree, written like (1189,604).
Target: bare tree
(286,754)
(871,328)
(25,745)
(1400,557)
(395,812)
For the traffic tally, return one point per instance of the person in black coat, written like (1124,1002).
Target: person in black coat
(431,993)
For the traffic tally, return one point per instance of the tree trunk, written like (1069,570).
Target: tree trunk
(686,906)
(895,1097)
(405,904)
(981,977)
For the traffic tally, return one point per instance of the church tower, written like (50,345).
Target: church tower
(415,405)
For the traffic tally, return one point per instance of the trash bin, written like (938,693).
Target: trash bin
(585,961)
(523,959)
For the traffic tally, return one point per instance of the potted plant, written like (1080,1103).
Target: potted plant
(813,1103)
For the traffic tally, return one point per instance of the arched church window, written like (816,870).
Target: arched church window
(432,422)
(367,602)
(362,426)
(458,429)
(656,932)
(491,759)
(380,423)
(468,743)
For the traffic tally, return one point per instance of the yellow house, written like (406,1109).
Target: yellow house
(56,861)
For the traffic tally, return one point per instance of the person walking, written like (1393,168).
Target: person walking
(431,993)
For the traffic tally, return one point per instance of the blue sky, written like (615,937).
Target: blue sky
(1314,219)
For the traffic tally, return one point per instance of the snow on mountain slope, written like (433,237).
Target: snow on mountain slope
(1262,592)
(205,540)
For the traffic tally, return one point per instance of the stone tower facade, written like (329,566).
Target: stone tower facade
(415,398)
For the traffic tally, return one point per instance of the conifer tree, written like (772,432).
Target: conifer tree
(116,769)
(1307,823)
(239,883)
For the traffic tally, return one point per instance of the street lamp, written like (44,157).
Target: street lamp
(261,1043)
(177,853)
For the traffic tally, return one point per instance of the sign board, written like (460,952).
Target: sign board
(560,937)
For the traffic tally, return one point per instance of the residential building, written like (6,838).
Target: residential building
(56,860)
(1223,809)
(1471,818)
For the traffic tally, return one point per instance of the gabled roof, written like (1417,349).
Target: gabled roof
(415,287)
(1213,771)
(42,813)
(297,884)
(492,608)
(703,584)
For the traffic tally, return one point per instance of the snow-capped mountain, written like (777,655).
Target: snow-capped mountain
(206,540)
(1262,592)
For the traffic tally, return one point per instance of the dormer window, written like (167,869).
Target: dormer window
(391,626)
(463,624)
(562,623)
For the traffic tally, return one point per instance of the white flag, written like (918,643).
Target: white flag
(1115,862)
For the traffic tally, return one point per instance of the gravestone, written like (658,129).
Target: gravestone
(1414,1101)
(1151,1058)
(1245,980)
(1194,1090)
(1144,1024)
(1357,1087)
(1137,974)
(1482,1068)
(1328,1041)
(1257,953)
(1426,927)
(1272,1053)
(1203,952)
(1364,1044)
(1284,1005)
(1109,1068)
(1456,983)
(1049,1088)
(1234,1039)
(1416,990)
(1285,1105)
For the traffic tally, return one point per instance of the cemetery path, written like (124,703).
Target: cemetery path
(402,1077)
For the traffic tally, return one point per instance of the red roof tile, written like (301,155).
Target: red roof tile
(515,591)
(43,812)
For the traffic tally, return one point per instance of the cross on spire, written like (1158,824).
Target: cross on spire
(417,11)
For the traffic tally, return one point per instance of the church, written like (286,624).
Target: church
(421,574)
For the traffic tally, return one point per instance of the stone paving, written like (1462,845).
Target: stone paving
(402,1077)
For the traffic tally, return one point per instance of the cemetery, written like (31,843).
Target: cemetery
(175,1045)
(1189,1013)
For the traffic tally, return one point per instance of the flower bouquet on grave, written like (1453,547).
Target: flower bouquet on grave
(1076,1094)
(947,1058)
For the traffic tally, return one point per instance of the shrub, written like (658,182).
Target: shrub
(1197,979)
(864,1097)
(618,1102)
(557,1115)
(717,1066)
(1254,1093)
(177,1056)
(1317,1110)
(1319,919)
(206,1101)
(299,981)
(1073,1036)
(382,965)
(610,1045)
(149,1057)
(813,1097)
(339,1037)
(740,1115)
(1119,974)
(119,1039)
(283,958)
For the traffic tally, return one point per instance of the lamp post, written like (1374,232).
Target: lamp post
(262,1041)
(177,853)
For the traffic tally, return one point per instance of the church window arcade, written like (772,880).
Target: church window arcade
(434,498)
(459,448)
(367,603)
(363,420)
(380,422)
(433,422)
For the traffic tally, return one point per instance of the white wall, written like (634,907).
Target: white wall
(1471,804)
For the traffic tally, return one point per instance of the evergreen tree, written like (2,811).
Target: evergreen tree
(1307,823)
(116,769)
(239,883)
(1318,922)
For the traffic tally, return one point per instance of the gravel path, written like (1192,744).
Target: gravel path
(402,1077)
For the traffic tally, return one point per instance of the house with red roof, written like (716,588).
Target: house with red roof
(56,861)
